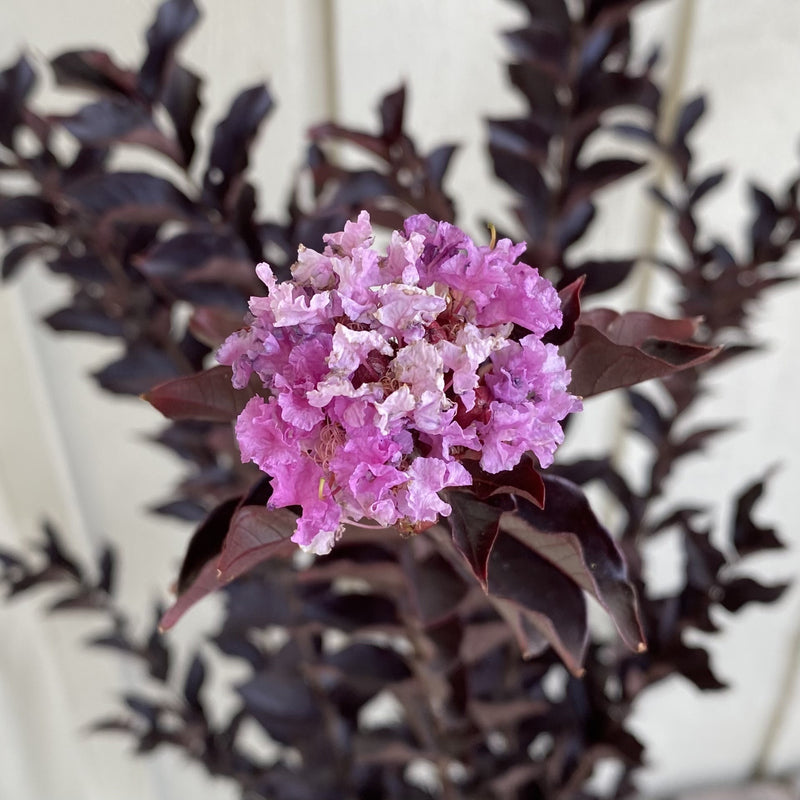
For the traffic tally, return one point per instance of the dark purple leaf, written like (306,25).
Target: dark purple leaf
(181,98)
(391,110)
(194,683)
(206,544)
(649,421)
(526,179)
(709,183)
(85,320)
(542,47)
(110,121)
(749,537)
(588,180)
(130,196)
(537,601)
(93,69)
(105,581)
(16,255)
(369,666)
(201,254)
(174,20)
(57,556)
(273,694)
(437,588)
(16,84)
(741,591)
(539,90)
(524,138)
(437,162)
(570,297)
(232,139)
(602,275)
(690,116)
(573,224)
(595,49)
(86,268)
(567,534)
(142,367)
(25,211)
(765,219)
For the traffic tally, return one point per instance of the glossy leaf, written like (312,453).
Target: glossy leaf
(570,297)
(538,601)
(207,395)
(474,526)
(611,350)
(567,534)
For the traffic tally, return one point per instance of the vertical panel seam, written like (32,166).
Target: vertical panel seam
(668,113)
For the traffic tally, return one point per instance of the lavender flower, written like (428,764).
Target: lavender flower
(385,372)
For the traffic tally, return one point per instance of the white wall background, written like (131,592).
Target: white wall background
(78,457)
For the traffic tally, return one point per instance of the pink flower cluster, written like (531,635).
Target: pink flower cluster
(385,372)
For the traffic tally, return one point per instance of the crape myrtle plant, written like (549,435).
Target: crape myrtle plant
(370,429)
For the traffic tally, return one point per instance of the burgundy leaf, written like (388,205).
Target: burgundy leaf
(611,350)
(204,584)
(212,325)
(524,480)
(538,601)
(207,395)
(474,526)
(206,543)
(256,534)
(567,534)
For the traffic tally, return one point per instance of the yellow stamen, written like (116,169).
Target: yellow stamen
(493,231)
(321,487)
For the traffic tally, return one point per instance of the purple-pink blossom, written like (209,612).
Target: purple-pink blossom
(384,371)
